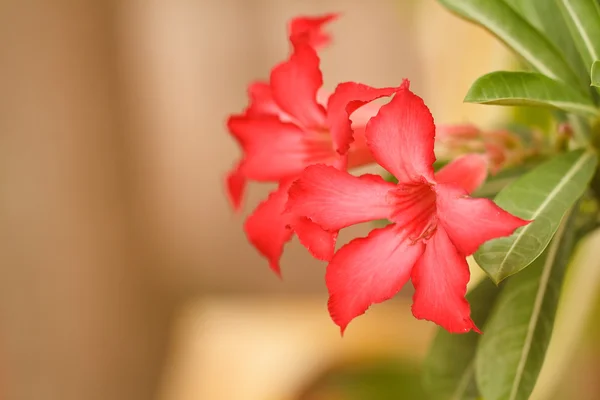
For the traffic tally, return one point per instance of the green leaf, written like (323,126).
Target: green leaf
(579,296)
(518,34)
(495,183)
(543,195)
(583,18)
(512,350)
(595,73)
(449,369)
(534,117)
(529,89)
(547,18)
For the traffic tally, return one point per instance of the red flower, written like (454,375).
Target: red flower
(284,130)
(435,223)
(502,148)
(307,30)
(302,31)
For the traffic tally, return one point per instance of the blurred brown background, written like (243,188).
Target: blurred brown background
(125,275)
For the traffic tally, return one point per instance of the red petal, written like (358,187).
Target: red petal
(236,186)
(307,30)
(440,279)
(323,97)
(268,229)
(335,199)
(361,116)
(274,150)
(320,242)
(295,84)
(467,172)
(470,222)
(359,153)
(262,101)
(367,271)
(347,98)
(414,209)
(401,137)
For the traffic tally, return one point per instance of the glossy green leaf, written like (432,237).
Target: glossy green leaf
(539,118)
(547,18)
(543,195)
(579,296)
(529,89)
(495,183)
(518,34)
(449,369)
(511,352)
(583,18)
(595,74)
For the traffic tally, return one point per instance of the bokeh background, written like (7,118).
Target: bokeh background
(124,273)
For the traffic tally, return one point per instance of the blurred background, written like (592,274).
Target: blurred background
(125,274)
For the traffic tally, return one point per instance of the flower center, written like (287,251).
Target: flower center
(318,147)
(415,209)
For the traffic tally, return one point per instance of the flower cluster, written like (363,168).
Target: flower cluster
(295,135)
(502,147)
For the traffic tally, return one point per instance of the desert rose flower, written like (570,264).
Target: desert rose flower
(285,129)
(436,225)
